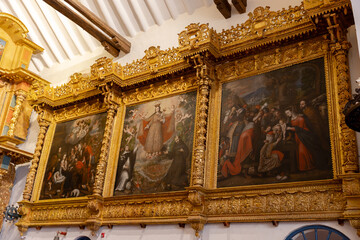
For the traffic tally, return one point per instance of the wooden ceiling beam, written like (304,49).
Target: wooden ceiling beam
(117,39)
(224,7)
(112,44)
(240,5)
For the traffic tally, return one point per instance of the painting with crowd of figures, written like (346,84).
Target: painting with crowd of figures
(274,127)
(156,146)
(74,154)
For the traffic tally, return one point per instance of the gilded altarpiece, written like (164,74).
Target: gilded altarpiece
(153,95)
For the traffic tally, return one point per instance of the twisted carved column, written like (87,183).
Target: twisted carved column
(101,168)
(44,124)
(204,83)
(20,97)
(348,141)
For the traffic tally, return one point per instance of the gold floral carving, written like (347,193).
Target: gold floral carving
(311,4)
(348,141)
(301,202)
(40,89)
(77,84)
(195,35)
(44,120)
(148,209)
(78,110)
(270,59)
(155,91)
(102,67)
(154,59)
(262,22)
(339,48)
(20,97)
(67,212)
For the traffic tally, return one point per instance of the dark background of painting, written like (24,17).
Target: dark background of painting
(280,89)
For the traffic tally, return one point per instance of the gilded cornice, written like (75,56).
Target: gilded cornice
(20,75)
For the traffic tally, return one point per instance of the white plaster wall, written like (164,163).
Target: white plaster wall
(165,36)
(236,231)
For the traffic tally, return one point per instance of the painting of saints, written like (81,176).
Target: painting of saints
(156,146)
(271,129)
(75,150)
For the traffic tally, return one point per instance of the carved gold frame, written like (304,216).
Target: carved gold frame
(158,91)
(58,116)
(204,60)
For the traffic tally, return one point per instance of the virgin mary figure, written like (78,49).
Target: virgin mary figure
(155,130)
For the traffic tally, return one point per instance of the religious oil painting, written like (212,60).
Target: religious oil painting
(156,146)
(274,127)
(74,154)
(2,47)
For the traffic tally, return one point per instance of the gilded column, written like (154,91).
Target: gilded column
(339,47)
(348,141)
(204,83)
(44,124)
(20,97)
(111,99)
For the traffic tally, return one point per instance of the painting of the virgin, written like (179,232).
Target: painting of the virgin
(156,146)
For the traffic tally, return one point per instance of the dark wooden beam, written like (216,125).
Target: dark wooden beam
(224,7)
(108,42)
(117,39)
(240,5)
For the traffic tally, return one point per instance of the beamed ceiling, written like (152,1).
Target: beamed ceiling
(64,41)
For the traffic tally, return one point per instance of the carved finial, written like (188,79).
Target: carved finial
(194,35)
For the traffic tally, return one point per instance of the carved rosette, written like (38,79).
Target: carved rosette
(44,122)
(112,102)
(348,141)
(204,82)
(20,97)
